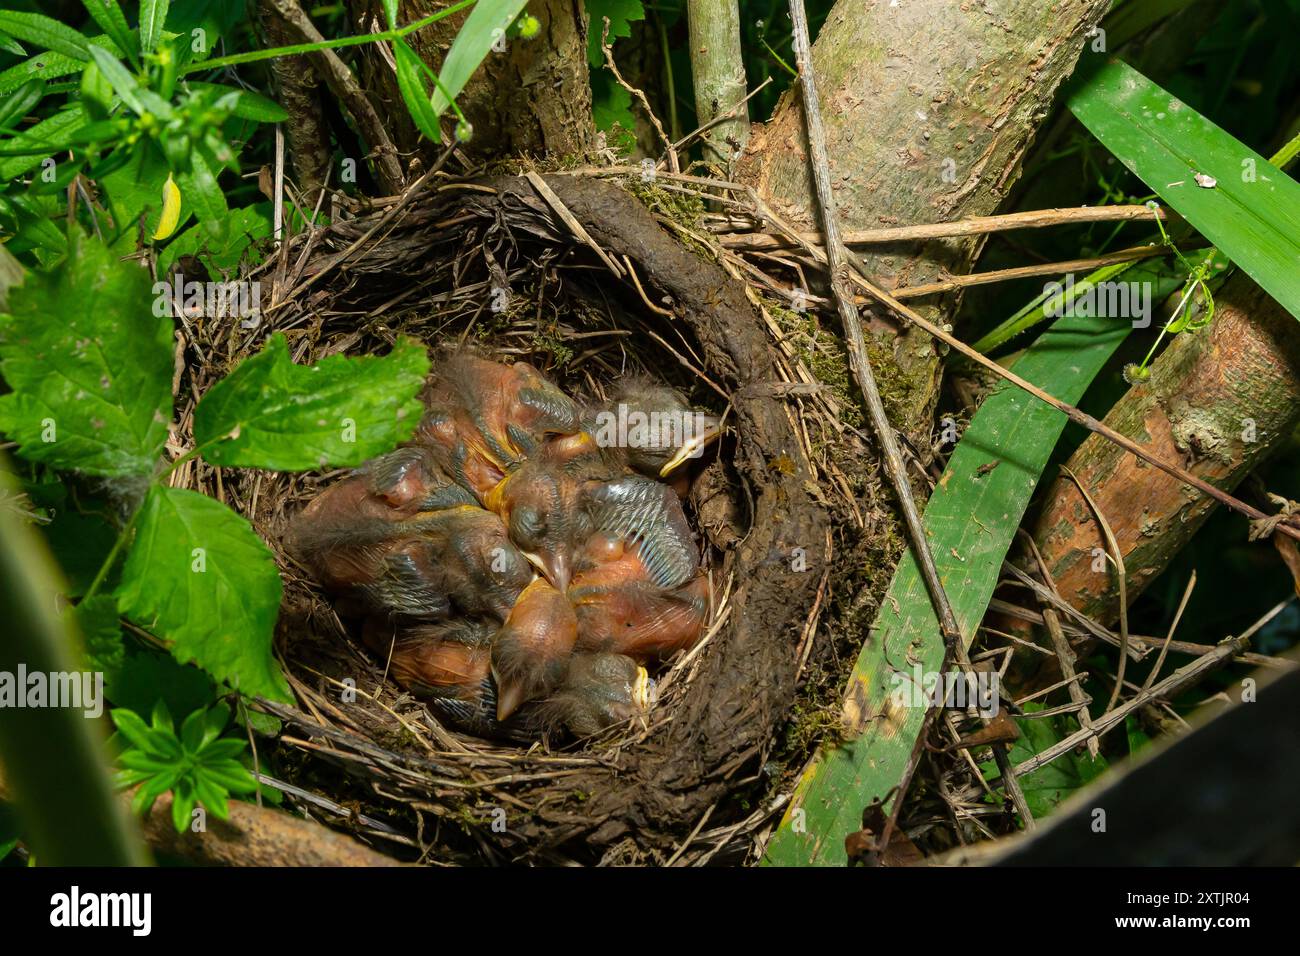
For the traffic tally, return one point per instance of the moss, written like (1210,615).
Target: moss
(823,354)
(677,207)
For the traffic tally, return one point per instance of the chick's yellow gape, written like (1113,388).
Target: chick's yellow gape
(520,562)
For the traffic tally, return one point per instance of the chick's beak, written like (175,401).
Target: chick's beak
(694,446)
(554,565)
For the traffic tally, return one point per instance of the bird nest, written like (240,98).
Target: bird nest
(602,283)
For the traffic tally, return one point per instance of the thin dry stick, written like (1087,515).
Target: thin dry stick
(1133,254)
(1064,652)
(334,261)
(673,164)
(1121,577)
(971,226)
(1164,648)
(1174,682)
(837,263)
(561,210)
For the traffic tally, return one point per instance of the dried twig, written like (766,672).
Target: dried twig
(1121,577)
(972,226)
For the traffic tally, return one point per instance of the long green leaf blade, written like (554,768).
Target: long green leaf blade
(1247,207)
(971,520)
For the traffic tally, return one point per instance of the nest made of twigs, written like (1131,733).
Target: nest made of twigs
(599,287)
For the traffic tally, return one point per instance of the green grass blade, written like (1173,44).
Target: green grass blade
(1252,210)
(971,520)
(486,23)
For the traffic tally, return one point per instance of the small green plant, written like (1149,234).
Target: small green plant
(198,766)
(195,576)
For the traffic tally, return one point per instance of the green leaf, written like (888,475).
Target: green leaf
(248,104)
(970,521)
(136,189)
(153,13)
(42,31)
(1252,210)
(40,141)
(132,726)
(112,21)
(199,577)
(148,675)
(621,13)
(183,801)
(43,66)
(221,245)
(141,100)
(278,415)
(90,365)
(15,105)
(486,23)
(199,186)
(101,633)
(10,45)
(1049,785)
(411,86)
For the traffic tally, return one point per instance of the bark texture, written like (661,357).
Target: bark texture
(1219,401)
(533,99)
(929,108)
(299,94)
(719,76)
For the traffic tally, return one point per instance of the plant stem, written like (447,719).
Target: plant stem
(237,59)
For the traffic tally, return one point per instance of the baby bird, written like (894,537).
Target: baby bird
(485,417)
(420,567)
(601,690)
(621,609)
(531,653)
(651,427)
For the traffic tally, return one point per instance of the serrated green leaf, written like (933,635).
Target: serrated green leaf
(485,25)
(621,13)
(199,577)
(274,414)
(43,66)
(44,31)
(90,366)
(1250,210)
